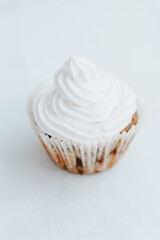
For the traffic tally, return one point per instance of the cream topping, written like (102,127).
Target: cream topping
(83,103)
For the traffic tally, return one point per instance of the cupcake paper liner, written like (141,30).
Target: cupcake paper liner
(82,158)
(86,158)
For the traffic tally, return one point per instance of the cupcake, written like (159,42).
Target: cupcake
(85,117)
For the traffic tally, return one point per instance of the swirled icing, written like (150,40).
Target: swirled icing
(83,103)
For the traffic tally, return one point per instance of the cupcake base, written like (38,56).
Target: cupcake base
(86,159)
(78,168)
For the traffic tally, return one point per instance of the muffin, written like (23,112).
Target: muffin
(85,117)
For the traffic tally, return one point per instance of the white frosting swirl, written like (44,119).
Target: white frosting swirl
(83,103)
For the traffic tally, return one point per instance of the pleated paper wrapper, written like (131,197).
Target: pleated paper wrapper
(86,158)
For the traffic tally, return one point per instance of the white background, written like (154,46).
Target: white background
(37,199)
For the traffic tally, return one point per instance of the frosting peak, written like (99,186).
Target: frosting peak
(80,69)
(79,81)
(83,103)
